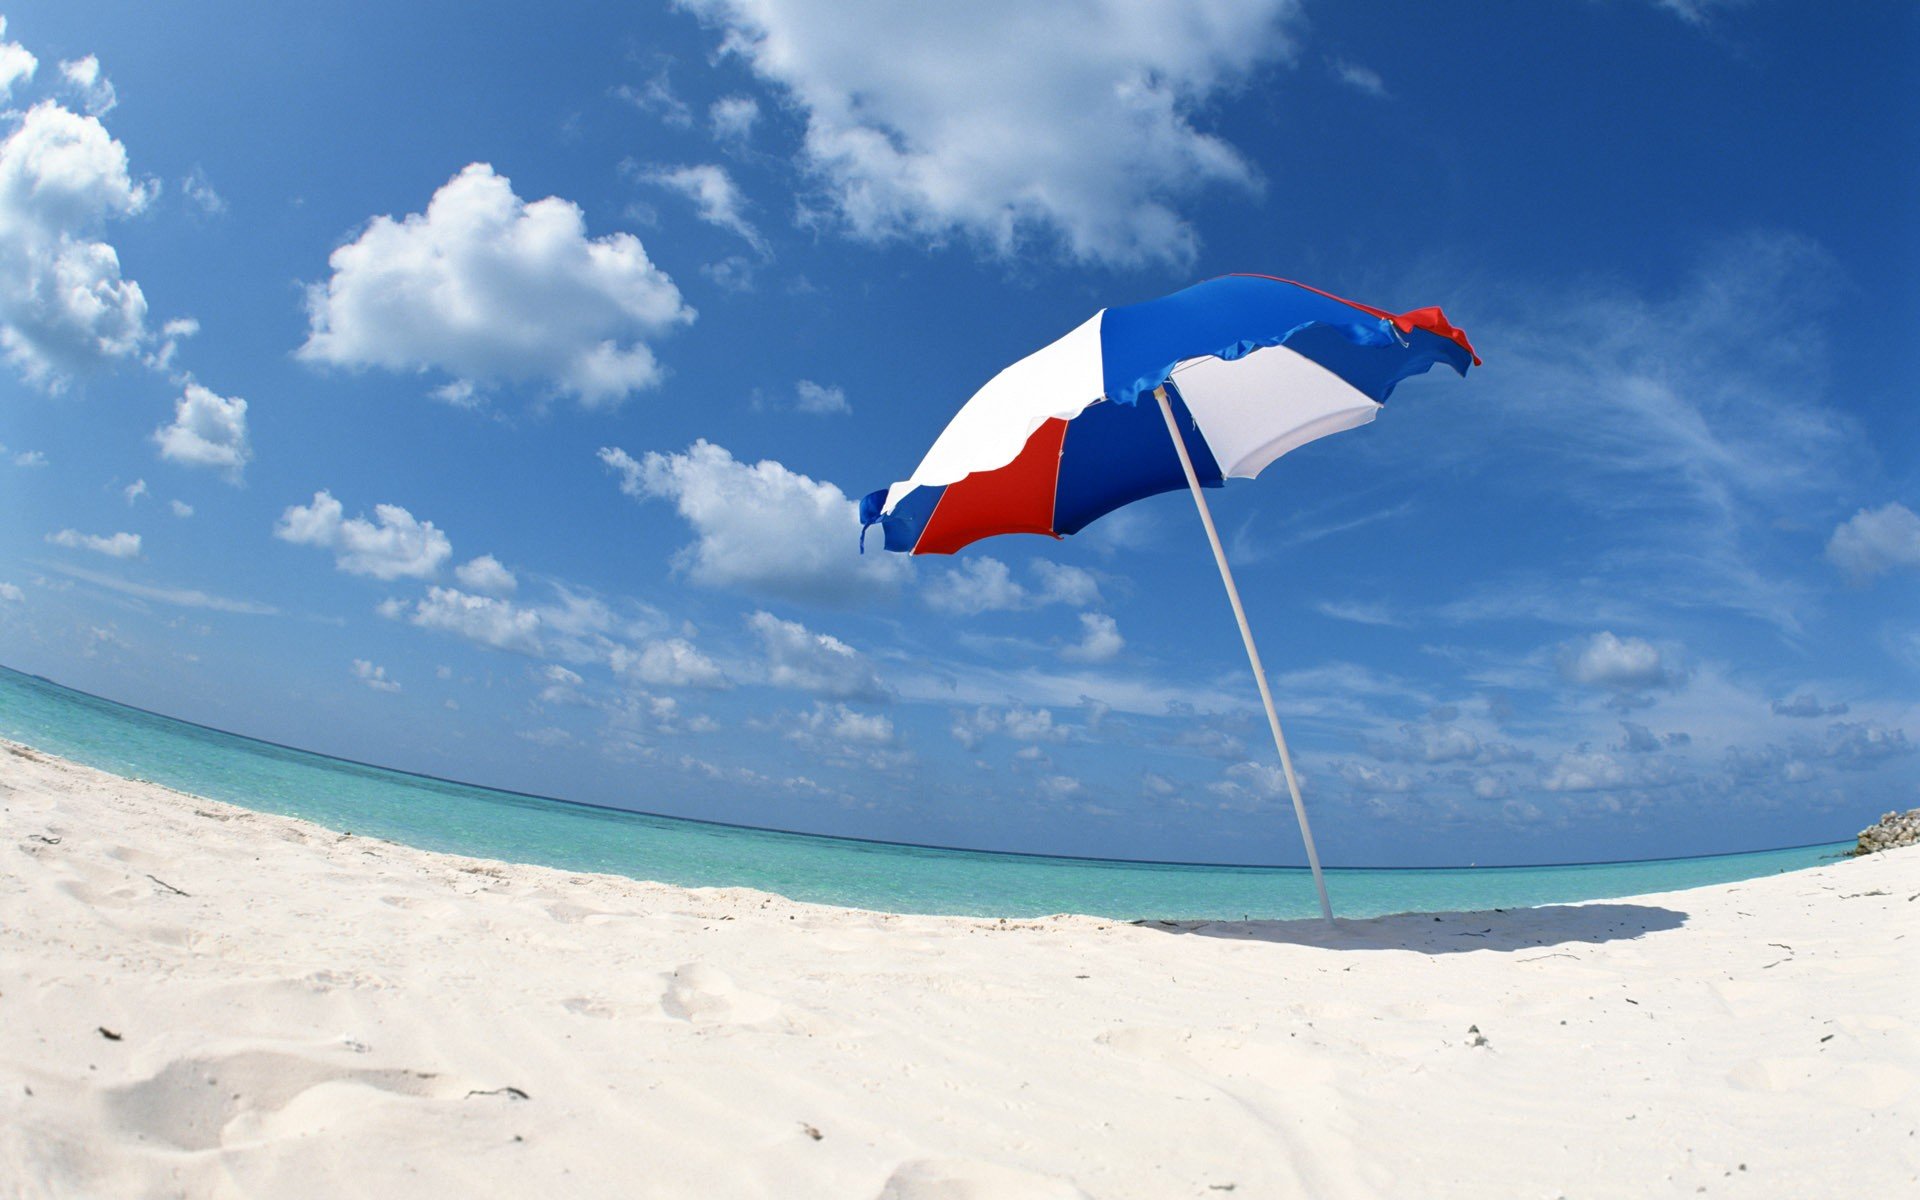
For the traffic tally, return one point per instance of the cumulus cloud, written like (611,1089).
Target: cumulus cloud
(485,286)
(1359,776)
(1858,744)
(985,584)
(208,430)
(180,508)
(841,734)
(17,64)
(134,491)
(975,586)
(373,676)
(116,545)
(716,198)
(485,574)
(1584,772)
(1081,136)
(794,656)
(10,592)
(64,307)
(1100,640)
(1018,722)
(571,625)
(669,662)
(487,620)
(1873,541)
(86,80)
(760,528)
(391,546)
(1625,666)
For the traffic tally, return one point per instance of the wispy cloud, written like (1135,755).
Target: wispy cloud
(180,597)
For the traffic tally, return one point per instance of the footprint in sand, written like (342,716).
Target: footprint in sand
(204,1102)
(967,1179)
(706,995)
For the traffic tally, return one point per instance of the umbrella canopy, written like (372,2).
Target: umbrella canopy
(1252,366)
(1242,369)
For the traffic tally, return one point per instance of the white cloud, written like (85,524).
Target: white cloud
(373,676)
(715,196)
(118,545)
(172,333)
(1856,744)
(985,584)
(1359,78)
(761,528)
(1694,444)
(656,96)
(800,658)
(842,724)
(64,307)
(197,188)
(976,585)
(488,620)
(1100,640)
(1876,540)
(1618,664)
(208,430)
(180,508)
(1584,772)
(84,77)
(17,64)
(1360,612)
(669,662)
(562,685)
(10,592)
(1059,787)
(485,286)
(1081,133)
(30,458)
(1697,13)
(134,490)
(733,118)
(390,546)
(820,400)
(1018,722)
(735,272)
(485,574)
(180,597)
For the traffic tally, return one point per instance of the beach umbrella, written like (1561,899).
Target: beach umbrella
(1234,372)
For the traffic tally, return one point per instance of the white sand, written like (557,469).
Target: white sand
(321,1015)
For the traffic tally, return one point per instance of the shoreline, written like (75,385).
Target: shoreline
(938,848)
(383,1019)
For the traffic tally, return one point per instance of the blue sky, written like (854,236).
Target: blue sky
(485,394)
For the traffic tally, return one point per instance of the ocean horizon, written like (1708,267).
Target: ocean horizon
(483,822)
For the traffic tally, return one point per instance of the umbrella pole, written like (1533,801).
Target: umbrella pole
(1253,653)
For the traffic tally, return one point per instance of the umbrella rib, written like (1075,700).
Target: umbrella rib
(1253,652)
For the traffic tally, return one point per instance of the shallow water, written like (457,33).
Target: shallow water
(440,815)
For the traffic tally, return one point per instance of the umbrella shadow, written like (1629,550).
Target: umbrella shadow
(1504,930)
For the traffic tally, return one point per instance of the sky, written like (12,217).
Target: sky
(487,394)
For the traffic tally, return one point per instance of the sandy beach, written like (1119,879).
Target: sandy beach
(197,1000)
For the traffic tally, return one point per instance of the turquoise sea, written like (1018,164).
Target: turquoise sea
(440,815)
